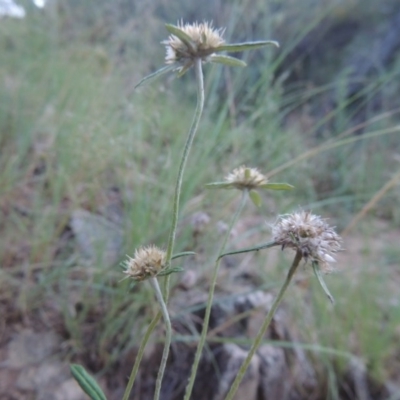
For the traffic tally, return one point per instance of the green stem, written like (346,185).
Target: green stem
(264,327)
(168,336)
(248,250)
(185,155)
(171,240)
(206,320)
(139,355)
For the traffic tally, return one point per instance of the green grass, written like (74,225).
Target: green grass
(71,128)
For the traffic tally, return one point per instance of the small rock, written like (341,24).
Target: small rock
(230,360)
(274,372)
(28,348)
(69,390)
(52,372)
(26,378)
(99,239)
(44,375)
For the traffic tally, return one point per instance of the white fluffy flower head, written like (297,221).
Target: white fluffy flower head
(246,178)
(148,262)
(309,234)
(204,40)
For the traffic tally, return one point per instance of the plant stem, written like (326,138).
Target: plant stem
(250,249)
(264,327)
(139,356)
(185,155)
(168,336)
(171,239)
(206,320)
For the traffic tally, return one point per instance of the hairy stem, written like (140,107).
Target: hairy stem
(185,156)
(171,239)
(264,327)
(206,321)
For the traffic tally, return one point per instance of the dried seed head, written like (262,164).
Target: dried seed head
(190,44)
(204,40)
(147,263)
(309,234)
(246,178)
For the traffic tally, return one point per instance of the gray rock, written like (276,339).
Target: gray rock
(231,358)
(68,390)
(99,240)
(274,373)
(28,348)
(47,374)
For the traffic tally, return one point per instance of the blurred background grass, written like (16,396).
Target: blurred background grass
(74,135)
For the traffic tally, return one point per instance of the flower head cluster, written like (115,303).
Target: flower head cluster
(202,41)
(244,178)
(189,43)
(147,263)
(248,179)
(309,234)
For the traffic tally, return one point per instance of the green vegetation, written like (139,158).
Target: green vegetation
(74,135)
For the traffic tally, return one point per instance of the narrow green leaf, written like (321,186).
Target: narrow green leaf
(170,270)
(219,185)
(87,382)
(183,254)
(226,60)
(255,198)
(233,48)
(250,249)
(276,186)
(247,173)
(179,33)
(185,68)
(156,74)
(321,281)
